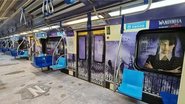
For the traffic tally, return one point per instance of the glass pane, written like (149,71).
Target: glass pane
(98,48)
(82,47)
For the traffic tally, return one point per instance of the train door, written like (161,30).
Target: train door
(91,56)
(98,57)
(82,55)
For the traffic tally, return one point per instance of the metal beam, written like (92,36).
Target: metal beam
(11,4)
(4,2)
(67,10)
(14,13)
(3,18)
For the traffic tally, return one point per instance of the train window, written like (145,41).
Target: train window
(50,47)
(82,47)
(160,50)
(98,48)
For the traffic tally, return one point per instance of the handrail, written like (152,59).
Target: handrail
(116,71)
(23,17)
(43,4)
(51,10)
(48,6)
(60,56)
(12,45)
(6,44)
(27,2)
(31,47)
(19,47)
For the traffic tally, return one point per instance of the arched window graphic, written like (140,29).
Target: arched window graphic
(160,50)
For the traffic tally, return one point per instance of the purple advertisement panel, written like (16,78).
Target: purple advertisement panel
(69,31)
(167,23)
(126,54)
(53,34)
(82,47)
(128,50)
(98,48)
(111,47)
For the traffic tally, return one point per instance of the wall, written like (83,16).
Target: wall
(182,86)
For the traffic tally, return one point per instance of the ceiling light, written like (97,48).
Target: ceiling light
(49,28)
(154,5)
(82,20)
(3,18)
(55,27)
(36,30)
(45,28)
(23,33)
(40,29)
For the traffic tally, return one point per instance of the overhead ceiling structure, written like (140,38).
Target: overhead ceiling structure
(8,7)
(10,12)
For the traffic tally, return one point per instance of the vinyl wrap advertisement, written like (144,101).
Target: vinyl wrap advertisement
(154,83)
(71,48)
(97,59)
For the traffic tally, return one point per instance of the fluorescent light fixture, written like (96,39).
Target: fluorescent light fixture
(36,30)
(154,5)
(3,18)
(23,33)
(49,28)
(82,20)
(45,28)
(40,29)
(15,35)
(27,32)
(55,27)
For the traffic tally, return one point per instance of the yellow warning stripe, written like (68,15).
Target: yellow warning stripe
(95,32)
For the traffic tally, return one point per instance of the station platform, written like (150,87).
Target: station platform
(21,83)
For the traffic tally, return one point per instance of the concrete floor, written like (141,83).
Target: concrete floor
(20,83)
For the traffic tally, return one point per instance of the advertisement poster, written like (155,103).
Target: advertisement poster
(70,45)
(127,49)
(160,52)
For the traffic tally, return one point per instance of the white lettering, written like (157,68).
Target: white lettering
(36,90)
(169,22)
